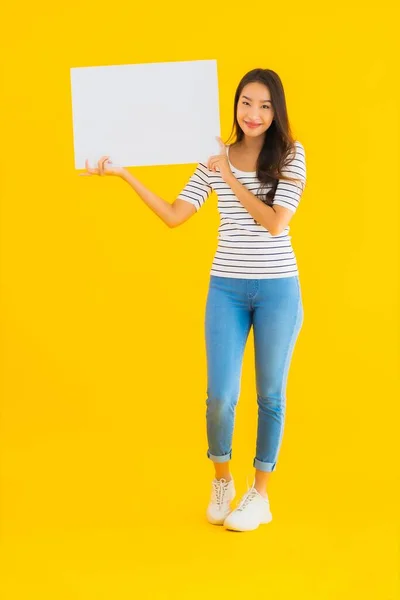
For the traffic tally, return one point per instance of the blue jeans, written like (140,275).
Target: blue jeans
(274,308)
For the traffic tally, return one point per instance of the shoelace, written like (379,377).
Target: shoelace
(248,496)
(220,487)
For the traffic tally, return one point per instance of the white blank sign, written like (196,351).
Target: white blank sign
(146,114)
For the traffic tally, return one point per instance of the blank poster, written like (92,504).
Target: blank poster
(146,114)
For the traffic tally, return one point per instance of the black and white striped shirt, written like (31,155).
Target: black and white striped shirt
(246,249)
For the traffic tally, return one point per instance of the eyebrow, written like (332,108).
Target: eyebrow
(247,98)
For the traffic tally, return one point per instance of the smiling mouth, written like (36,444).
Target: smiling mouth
(253,125)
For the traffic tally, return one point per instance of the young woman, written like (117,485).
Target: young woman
(254,281)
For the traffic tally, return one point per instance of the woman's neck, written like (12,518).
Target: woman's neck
(252,144)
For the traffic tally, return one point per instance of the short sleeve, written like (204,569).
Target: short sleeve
(288,193)
(198,188)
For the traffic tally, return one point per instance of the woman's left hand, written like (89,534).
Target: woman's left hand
(219,162)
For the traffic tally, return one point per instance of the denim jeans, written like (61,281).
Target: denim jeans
(275,310)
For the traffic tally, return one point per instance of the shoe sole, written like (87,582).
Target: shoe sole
(212,522)
(218,521)
(237,528)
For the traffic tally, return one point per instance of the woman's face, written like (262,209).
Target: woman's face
(254,108)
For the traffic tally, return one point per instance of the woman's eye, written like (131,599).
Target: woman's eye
(265,105)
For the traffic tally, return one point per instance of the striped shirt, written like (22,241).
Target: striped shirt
(246,249)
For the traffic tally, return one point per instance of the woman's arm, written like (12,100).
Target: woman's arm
(171,214)
(163,209)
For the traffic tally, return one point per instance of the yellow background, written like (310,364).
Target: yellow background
(105,479)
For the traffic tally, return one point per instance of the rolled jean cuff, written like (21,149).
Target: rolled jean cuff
(220,459)
(264,466)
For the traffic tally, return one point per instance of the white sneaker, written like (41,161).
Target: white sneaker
(252,511)
(222,494)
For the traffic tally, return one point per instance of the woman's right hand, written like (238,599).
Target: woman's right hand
(104,167)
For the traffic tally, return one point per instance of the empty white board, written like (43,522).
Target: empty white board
(146,114)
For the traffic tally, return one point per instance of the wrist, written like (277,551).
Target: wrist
(230,178)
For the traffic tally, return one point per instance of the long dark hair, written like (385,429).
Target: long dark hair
(279,147)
